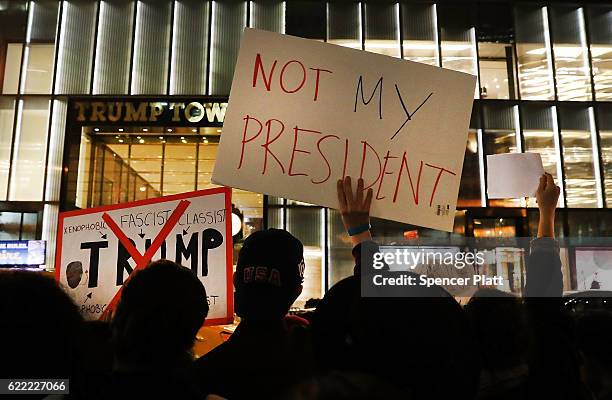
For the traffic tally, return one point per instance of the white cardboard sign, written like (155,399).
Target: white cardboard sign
(303,114)
(193,229)
(513,175)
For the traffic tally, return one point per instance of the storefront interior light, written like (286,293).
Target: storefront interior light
(120,140)
(141,141)
(169,130)
(145,130)
(161,138)
(120,129)
(96,129)
(194,130)
(218,130)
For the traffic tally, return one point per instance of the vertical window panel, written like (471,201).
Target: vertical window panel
(39,51)
(458,39)
(305,223)
(189,66)
(151,47)
(56,149)
(7,113)
(539,137)
(500,136)
(113,47)
(571,54)
(382,29)
(179,168)
(343,24)
(12,66)
(228,22)
(535,71)
(469,189)
(268,15)
(13,20)
(604,123)
(420,33)
(580,184)
(341,261)
(75,50)
(600,37)
(496,61)
(305,19)
(30,150)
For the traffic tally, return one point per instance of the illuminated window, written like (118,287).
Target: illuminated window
(343,23)
(576,135)
(420,33)
(382,29)
(539,137)
(7,112)
(458,38)
(600,35)
(571,54)
(535,71)
(605,142)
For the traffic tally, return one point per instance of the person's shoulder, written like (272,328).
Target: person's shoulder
(215,358)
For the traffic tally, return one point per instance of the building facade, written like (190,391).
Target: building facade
(117,100)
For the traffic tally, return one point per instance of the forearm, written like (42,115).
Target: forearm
(361,237)
(546,225)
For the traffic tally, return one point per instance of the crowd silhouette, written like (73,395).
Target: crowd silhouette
(498,346)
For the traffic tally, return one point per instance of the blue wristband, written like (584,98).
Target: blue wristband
(352,231)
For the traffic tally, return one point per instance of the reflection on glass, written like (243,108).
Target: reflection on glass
(458,38)
(469,189)
(539,137)
(580,184)
(343,22)
(605,143)
(600,35)
(496,70)
(500,136)
(381,29)
(420,33)
(571,54)
(7,112)
(30,150)
(533,50)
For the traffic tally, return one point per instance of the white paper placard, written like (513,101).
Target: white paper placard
(303,114)
(513,175)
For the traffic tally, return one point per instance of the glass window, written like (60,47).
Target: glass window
(600,37)
(151,47)
(305,19)
(496,51)
(469,189)
(7,113)
(189,47)
(341,261)
(207,154)
(10,225)
(113,47)
(179,167)
(230,15)
(13,20)
(12,66)
(604,114)
(145,162)
(571,54)
(381,29)
(39,52)
(343,24)
(500,136)
(420,33)
(75,50)
(458,38)
(580,184)
(268,15)
(30,150)
(539,137)
(306,224)
(535,72)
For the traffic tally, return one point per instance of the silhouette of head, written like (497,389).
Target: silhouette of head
(162,308)
(269,275)
(33,308)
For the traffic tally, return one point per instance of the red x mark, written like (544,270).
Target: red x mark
(142,260)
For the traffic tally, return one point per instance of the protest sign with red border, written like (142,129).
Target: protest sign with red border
(191,228)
